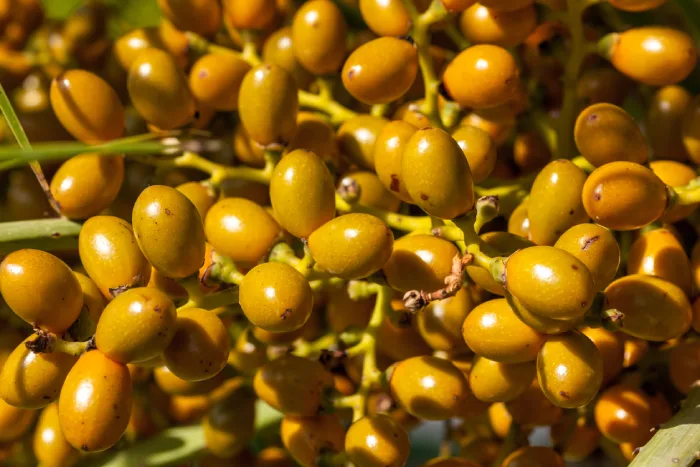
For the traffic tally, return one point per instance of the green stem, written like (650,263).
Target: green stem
(44,234)
(579,50)
(456,36)
(337,113)
(214,300)
(676,443)
(392,219)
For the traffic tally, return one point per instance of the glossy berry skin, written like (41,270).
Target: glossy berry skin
(136,326)
(582,441)
(381,70)
(41,289)
(491,71)
(598,85)
(276,297)
(673,174)
(437,174)
(110,255)
(596,247)
(319,32)
(684,365)
(611,346)
(352,246)
(492,381)
(199,349)
(14,422)
(87,106)
(293,385)
(215,80)
(201,195)
(86,184)
(654,309)
(199,16)
(169,383)
(302,193)
(569,369)
(555,201)
(373,193)
(93,305)
(229,424)
(316,134)
(388,150)
(691,129)
(241,230)
(161,213)
(493,330)
(128,46)
(155,73)
(32,381)
(657,56)
(624,196)
(440,323)
(534,456)
(306,438)
(496,244)
(481,25)
(279,50)
(519,220)
(419,262)
(479,149)
(95,402)
(249,14)
(386,18)
(606,133)
(428,387)
(665,122)
(358,138)
(549,282)
(623,414)
(377,441)
(49,445)
(659,253)
(530,152)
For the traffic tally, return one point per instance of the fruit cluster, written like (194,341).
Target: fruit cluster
(276,232)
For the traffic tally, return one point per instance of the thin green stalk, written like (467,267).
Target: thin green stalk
(42,234)
(677,442)
(337,113)
(392,219)
(16,127)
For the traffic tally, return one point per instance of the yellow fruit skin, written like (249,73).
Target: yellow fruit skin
(200,347)
(302,193)
(654,309)
(161,213)
(241,230)
(674,174)
(493,330)
(306,438)
(110,255)
(50,446)
(665,123)
(386,18)
(373,193)
(287,309)
(279,50)
(480,25)
(87,106)
(428,387)
(352,246)
(623,414)
(230,424)
(606,133)
(32,381)
(499,382)
(14,422)
(41,289)
(479,149)
(199,16)
(503,244)
(611,346)
(534,455)
(292,385)
(441,321)
(596,247)
(87,184)
(659,253)
(377,441)
(381,70)
(657,56)
(419,262)
(215,80)
(437,175)
(555,202)
(319,33)
(569,370)
(159,90)
(136,326)
(358,138)
(95,402)
(550,282)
